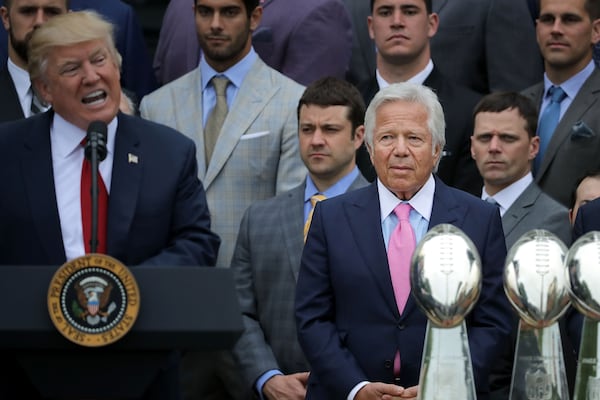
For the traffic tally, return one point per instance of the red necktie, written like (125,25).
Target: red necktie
(86,207)
(400,250)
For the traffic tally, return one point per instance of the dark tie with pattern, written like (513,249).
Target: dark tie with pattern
(215,120)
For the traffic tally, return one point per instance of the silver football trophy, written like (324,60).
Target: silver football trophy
(583,267)
(536,284)
(445,277)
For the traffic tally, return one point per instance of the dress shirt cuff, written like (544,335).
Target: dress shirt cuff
(356,388)
(260,382)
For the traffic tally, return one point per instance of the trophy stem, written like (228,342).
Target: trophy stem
(587,381)
(446,366)
(539,367)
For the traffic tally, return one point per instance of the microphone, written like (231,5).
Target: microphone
(95,152)
(96,140)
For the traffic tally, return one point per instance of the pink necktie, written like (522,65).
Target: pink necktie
(400,250)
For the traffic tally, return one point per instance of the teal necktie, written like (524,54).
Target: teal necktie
(548,122)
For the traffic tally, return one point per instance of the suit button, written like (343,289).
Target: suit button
(387,364)
(401,326)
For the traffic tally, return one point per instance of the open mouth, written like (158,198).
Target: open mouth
(95,97)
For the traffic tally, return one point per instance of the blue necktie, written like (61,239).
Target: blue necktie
(548,122)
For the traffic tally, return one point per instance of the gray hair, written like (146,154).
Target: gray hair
(413,93)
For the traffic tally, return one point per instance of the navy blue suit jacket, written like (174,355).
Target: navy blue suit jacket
(10,107)
(157,211)
(347,319)
(587,220)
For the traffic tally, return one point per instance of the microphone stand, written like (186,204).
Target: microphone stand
(96,152)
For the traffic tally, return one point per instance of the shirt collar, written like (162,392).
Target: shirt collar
(419,78)
(421,202)
(340,187)
(236,73)
(507,196)
(572,85)
(70,137)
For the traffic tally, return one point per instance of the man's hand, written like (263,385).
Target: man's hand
(408,393)
(286,387)
(378,390)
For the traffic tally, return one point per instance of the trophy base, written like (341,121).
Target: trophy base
(446,366)
(539,367)
(587,381)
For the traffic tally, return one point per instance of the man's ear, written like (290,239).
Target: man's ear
(359,136)
(255,18)
(5,19)
(41,88)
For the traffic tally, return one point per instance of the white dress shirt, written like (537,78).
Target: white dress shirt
(67,159)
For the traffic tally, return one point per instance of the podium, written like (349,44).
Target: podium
(182,308)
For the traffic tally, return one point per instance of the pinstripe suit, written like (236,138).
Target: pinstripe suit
(256,155)
(265,266)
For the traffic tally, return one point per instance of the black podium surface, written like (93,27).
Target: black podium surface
(181,308)
(186,308)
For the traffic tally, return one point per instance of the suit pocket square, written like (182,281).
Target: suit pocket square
(581,131)
(255,135)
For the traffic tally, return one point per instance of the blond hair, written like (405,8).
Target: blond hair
(65,30)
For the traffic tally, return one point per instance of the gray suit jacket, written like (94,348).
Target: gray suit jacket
(534,209)
(574,149)
(265,266)
(256,155)
(487,45)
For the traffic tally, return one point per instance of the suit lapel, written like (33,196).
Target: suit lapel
(38,177)
(187,112)
(364,218)
(520,208)
(446,209)
(582,103)
(251,99)
(125,185)
(291,212)
(10,106)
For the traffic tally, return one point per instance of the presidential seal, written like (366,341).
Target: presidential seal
(93,300)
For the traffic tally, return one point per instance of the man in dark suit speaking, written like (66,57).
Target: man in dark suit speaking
(156,208)
(361,342)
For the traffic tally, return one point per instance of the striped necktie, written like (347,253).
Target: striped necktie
(313,202)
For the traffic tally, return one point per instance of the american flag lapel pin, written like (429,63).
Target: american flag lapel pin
(132,158)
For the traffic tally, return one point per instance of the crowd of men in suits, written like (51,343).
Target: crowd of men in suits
(272,164)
